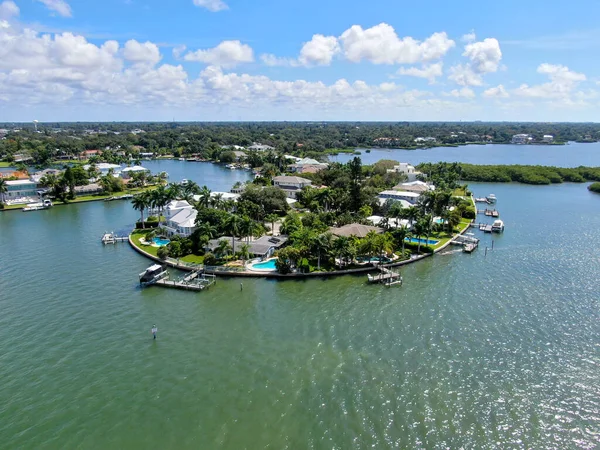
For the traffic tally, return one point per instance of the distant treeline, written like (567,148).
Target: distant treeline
(528,174)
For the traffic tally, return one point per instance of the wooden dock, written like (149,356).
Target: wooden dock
(385,276)
(195,281)
(489,212)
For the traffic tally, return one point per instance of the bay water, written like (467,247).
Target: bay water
(496,350)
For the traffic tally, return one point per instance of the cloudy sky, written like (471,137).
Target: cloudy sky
(77,60)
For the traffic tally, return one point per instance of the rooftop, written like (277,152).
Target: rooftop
(354,229)
(401,193)
(284,179)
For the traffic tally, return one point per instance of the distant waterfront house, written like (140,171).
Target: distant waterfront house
(410,197)
(222,195)
(423,140)
(548,138)
(41,174)
(414,186)
(20,189)
(127,172)
(521,139)
(406,169)
(354,229)
(105,168)
(260,147)
(394,223)
(291,185)
(88,189)
(263,247)
(307,165)
(180,218)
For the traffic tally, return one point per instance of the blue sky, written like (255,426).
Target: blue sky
(312,60)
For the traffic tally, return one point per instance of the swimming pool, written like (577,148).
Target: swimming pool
(160,241)
(265,265)
(423,241)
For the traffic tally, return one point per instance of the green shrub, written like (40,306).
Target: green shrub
(163,253)
(594,187)
(146,224)
(210,259)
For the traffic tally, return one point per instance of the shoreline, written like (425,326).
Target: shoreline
(334,273)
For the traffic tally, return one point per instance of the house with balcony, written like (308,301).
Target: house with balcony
(410,197)
(521,139)
(307,165)
(180,218)
(406,169)
(414,186)
(291,185)
(20,191)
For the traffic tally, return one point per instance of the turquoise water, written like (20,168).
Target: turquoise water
(160,242)
(473,351)
(265,265)
(422,241)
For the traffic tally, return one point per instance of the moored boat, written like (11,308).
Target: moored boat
(38,206)
(498,226)
(152,274)
(491,198)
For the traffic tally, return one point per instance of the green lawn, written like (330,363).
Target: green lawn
(193,259)
(136,235)
(5,164)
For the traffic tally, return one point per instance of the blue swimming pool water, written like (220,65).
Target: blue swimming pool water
(423,241)
(161,242)
(265,265)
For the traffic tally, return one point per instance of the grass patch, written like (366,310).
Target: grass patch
(193,259)
(5,164)
(136,236)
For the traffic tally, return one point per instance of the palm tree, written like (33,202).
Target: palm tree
(233,225)
(244,252)
(411,214)
(223,248)
(343,248)
(49,180)
(322,243)
(140,203)
(204,193)
(326,198)
(3,189)
(401,234)
(369,244)
(216,201)
(272,218)
(246,227)
(191,189)
(420,229)
(384,244)
(173,192)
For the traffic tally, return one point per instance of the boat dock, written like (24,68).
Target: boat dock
(111,238)
(385,276)
(468,243)
(195,281)
(489,212)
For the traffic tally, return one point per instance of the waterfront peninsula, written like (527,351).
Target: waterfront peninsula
(337,219)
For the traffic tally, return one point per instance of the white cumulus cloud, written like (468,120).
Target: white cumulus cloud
(319,51)
(59,6)
(496,92)
(485,56)
(142,53)
(429,72)
(464,75)
(212,5)
(563,82)
(469,37)
(381,45)
(8,10)
(226,54)
(272,61)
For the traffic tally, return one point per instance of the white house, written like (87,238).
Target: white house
(521,139)
(410,197)
(127,172)
(414,186)
(406,169)
(422,140)
(181,218)
(260,147)
(291,185)
(548,138)
(104,168)
(20,189)
(396,223)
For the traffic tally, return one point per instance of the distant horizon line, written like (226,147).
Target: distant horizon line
(290,121)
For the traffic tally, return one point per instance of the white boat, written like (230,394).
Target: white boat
(152,274)
(181,159)
(491,198)
(498,226)
(231,166)
(38,206)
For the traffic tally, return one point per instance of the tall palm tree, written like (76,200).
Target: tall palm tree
(246,227)
(323,244)
(140,203)
(401,234)
(420,229)
(245,252)
(216,201)
(204,193)
(173,192)
(3,189)
(369,243)
(342,247)
(326,198)
(233,226)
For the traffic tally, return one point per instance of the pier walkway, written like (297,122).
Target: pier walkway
(195,281)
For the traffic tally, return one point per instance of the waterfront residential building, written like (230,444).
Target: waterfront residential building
(307,165)
(521,139)
(394,223)
(263,247)
(180,218)
(127,172)
(410,197)
(291,185)
(548,138)
(105,168)
(20,189)
(354,229)
(406,169)
(422,140)
(260,147)
(414,186)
